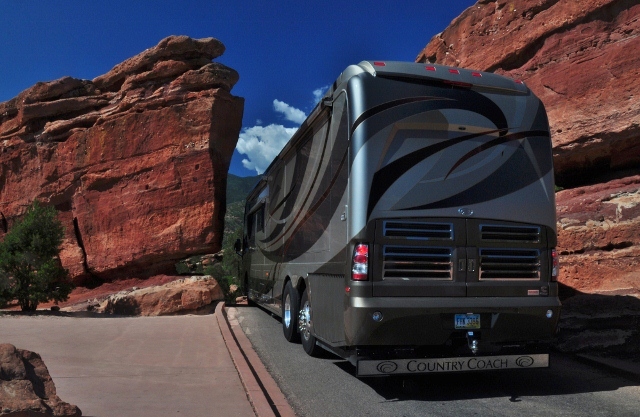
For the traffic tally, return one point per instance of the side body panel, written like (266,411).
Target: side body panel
(304,239)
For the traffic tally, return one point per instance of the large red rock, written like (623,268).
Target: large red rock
(135,161)
(582,58)
(26,387)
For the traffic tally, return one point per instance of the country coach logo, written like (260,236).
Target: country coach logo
(524,361)
(387,367)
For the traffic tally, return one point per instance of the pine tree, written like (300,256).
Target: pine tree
(30,268)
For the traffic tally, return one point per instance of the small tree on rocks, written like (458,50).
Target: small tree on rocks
(30,268)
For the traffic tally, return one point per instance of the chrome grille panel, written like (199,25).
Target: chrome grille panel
(416,230)
(502,233)
(508,264)
(417,262)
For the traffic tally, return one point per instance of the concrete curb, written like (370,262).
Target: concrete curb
(263,392)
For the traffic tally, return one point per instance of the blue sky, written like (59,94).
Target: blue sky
(286,52)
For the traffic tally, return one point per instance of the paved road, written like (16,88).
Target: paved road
(327,387)
(136,366)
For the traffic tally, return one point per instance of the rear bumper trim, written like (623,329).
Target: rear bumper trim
(462,364)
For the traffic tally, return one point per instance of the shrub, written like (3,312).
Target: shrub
(30,268)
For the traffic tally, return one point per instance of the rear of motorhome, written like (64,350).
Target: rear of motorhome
(409,225)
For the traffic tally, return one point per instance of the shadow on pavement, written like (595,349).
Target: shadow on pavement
(564,377)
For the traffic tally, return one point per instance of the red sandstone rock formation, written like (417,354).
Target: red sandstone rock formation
(26,388)
(582,58)
(136,160)
(599,236)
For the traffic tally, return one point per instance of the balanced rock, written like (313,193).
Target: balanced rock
(135,161)
(26,388)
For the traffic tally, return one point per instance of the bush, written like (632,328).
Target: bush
(30,268)
(226,272)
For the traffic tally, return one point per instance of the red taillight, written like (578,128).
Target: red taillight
(360,268)
(476,74)
(454,71)
(555,265)
(379,64)
(430,68)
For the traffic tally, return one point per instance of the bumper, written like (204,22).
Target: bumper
(423,321)
(456,364)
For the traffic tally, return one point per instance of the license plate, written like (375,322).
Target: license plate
(467,321)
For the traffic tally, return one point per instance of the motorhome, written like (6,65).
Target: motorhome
(409,225)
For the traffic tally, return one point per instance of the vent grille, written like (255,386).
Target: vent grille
(499,264)
(501,233)
(418,230)
(417,262)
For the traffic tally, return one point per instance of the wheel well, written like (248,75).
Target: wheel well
(297,283)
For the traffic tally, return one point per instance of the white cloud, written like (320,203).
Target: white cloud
(290,113)
(262,144)
(318,93)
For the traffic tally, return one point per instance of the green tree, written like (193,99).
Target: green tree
(30,268)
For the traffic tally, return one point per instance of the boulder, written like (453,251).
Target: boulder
(26,388)
(187,295)
(135,161)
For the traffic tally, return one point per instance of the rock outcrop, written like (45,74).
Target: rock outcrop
(187,295)
(600,325)
(579,57)
(599,237)
(135,161)
(582,58)
(26,388)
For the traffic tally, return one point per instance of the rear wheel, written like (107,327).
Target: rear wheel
(305,325)
(290,308)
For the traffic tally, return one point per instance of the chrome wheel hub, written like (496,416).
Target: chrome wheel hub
(287,311)
(304,321)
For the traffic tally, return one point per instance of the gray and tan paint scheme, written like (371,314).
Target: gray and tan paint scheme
(447,175)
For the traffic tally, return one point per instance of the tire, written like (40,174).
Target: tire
(305,327)
(290,308)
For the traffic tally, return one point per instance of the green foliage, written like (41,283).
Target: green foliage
(226,272)
(30,269)
(239,187)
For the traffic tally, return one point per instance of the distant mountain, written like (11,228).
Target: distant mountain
(237,190)
(239,187)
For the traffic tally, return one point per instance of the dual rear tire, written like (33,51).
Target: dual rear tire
(296,319)
(290,310)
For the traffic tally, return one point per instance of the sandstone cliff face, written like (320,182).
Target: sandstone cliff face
(135,161)
(582,58)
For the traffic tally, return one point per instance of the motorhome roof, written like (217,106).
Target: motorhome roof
(452,75)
